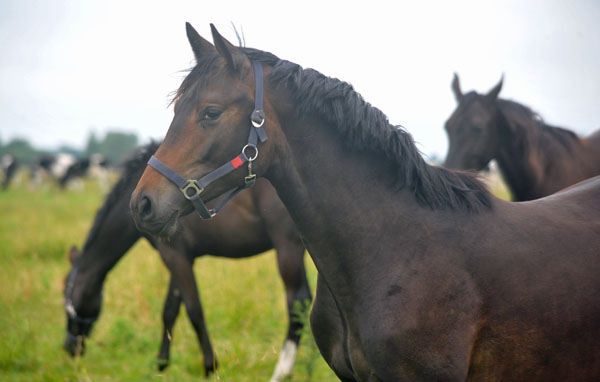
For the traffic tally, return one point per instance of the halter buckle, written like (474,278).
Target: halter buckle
(191,184)
(257,118)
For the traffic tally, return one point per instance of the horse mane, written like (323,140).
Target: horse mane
(532,132)
(131,170)
(362,127)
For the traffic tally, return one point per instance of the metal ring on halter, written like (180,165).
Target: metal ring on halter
(255,151)
(191,184)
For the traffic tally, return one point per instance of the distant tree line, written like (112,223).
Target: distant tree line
(114,146)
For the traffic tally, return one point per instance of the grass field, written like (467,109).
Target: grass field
(243,302)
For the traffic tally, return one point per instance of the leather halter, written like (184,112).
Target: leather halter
(192,188)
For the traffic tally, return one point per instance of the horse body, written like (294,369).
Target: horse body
(420,297)
(535,159)
(423,275)
(253,223)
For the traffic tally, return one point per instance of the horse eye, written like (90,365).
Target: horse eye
(211,114)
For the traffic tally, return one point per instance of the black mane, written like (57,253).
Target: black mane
(362,127)
(533,132)
(132,169)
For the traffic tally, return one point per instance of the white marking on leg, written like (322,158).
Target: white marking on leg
(285,364)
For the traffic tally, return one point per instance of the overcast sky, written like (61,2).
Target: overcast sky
(69,67)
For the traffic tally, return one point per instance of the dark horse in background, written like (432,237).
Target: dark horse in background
(423,274)
(254,222)
(534,158)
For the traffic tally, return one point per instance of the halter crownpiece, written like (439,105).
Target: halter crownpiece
(192,188)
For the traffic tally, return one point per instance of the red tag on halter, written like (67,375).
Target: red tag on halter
(237,162)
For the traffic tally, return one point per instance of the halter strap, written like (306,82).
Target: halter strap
(192,188)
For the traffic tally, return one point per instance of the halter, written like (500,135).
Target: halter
(70,308)
(192,188)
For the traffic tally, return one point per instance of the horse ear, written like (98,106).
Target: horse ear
(492,96)
(456,88)
(199,45)
(232,55)
(74,255)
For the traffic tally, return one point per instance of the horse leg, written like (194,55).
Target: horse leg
(330,332)
(183,273)
(170,313)
(290,261)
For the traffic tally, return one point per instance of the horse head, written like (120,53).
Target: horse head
(473,135)
(208,149)
(81,308)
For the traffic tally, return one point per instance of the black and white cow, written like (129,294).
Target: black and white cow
(67,170)
(10,164)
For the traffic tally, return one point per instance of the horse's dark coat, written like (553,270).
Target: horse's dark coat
(534,158)
(253,223)
(423,275)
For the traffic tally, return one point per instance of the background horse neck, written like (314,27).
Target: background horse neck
(536,159)
(112,234)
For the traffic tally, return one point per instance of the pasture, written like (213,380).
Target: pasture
(243,302)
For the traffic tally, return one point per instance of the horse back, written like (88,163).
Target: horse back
(539,284)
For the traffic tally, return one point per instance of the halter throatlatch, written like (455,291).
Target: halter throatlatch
(192,188)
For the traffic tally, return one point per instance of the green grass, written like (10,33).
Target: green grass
(243,302)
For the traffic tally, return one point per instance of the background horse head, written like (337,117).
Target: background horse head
(82,306)
(473,140)
(534,158)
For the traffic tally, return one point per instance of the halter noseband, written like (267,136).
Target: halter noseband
(192,188)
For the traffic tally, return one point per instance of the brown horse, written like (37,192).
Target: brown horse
(534,158)
(253,223)
(423,274)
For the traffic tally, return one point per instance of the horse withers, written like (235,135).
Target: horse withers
(254,222)
(423,274)
(535,159)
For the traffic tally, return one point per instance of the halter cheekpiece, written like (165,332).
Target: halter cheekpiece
(192,188)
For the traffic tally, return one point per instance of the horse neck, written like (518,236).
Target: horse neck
(336,194)
(115,235)
(521,161)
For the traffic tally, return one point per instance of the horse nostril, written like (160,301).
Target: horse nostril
(145,208)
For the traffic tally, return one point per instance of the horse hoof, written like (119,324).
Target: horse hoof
(162,364)
(210,368)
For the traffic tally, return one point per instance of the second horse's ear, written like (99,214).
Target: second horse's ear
(232,55)
(456,88)
(492,96)
(199,45)
(74,255)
